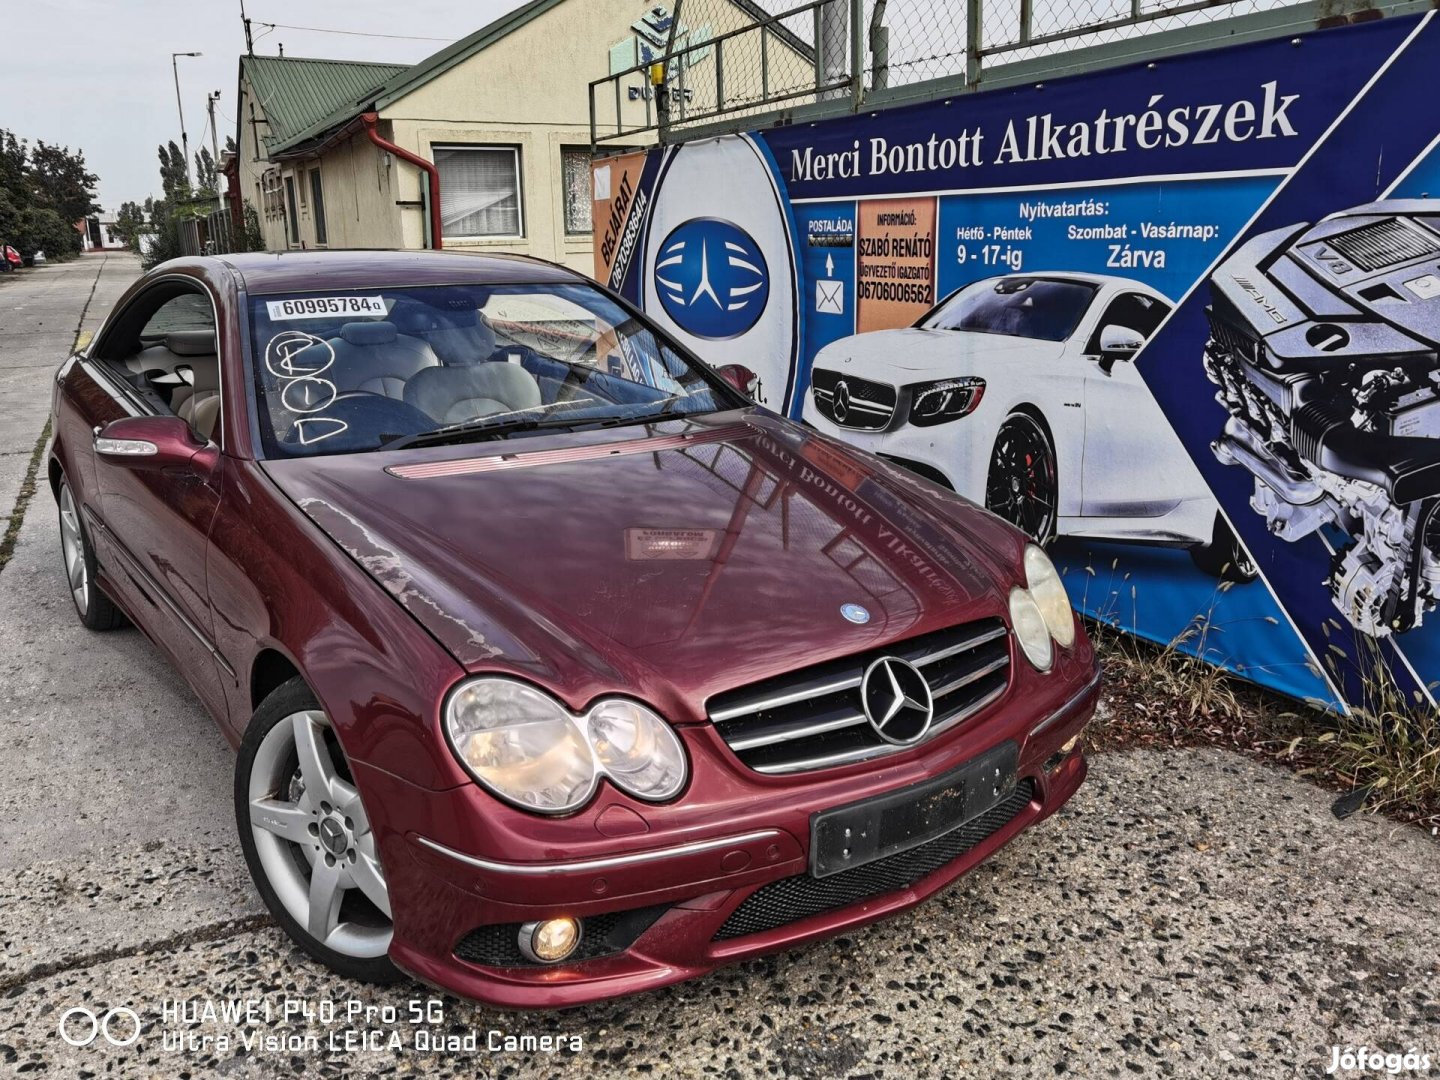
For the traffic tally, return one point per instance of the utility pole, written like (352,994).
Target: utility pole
(184,138)
(214,139)
(249,41)
(214,134)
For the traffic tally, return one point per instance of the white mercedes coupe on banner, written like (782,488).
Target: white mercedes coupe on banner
(1019,392)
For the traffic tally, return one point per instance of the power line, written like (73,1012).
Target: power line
(349,33)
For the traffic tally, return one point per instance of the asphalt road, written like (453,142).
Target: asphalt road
(1189,914)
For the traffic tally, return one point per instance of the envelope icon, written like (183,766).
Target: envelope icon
(830,297)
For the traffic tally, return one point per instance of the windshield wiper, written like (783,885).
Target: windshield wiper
(478,430)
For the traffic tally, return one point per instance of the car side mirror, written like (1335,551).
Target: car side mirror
(154,442)
(741,378)
(1118,343)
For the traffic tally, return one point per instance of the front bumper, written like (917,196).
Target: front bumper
(662,904)
(954,454)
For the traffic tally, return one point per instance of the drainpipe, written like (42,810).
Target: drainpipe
(370,121)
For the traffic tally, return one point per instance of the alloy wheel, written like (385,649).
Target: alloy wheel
(313,839)
(72,547)
(1021,486)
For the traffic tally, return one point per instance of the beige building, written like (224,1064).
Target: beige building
(347,154)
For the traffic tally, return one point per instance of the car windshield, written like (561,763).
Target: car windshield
(1047,309)
(345,372)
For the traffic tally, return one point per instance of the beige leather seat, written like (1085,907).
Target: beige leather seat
(464,338)
(199,403)
(179,347)
(375,358)
(452,395)
(205,416)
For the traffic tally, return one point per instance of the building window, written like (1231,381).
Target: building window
(317,200)
(579,192)
(272,202)
(479,191)
(290,210)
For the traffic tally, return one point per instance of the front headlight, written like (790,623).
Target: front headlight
(1049,593)
(521,744)
(524,746)
(636,749)
(949,399)
(1030,629)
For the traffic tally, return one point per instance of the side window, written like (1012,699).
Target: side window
(188,311)
(1134,311)
(167,351)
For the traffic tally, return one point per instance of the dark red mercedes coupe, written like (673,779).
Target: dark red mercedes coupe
(558,670)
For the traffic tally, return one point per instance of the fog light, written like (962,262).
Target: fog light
(1070,745)
(550,940)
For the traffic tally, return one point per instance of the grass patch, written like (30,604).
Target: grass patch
(1161,697)
(22,501)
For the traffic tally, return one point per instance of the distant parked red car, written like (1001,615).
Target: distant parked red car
(557,669)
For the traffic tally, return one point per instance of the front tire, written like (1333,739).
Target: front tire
(1022,485)
(95,610)
(307,839)
(1224,557)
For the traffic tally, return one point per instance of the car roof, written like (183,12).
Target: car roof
(307,271)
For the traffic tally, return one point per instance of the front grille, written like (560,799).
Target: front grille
(812,719)
(853,402)
(498,946)
(1382,243)
(799,897)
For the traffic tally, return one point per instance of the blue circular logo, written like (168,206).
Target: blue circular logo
(712,278)
(855,613)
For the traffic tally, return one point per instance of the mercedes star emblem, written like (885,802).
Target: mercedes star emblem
(840,402)
(897,700)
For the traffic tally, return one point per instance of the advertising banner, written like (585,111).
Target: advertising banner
(1177,320)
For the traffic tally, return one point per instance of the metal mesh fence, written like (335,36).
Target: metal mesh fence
(732,59)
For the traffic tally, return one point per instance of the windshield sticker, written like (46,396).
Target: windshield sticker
(325,307)
(297,360)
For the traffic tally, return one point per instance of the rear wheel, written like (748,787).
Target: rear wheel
(307,839)
(1224,557)
(95,609)
(1022,486)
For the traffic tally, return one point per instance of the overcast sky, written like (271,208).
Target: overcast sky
(95,74)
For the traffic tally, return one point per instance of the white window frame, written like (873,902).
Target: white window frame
(514,151)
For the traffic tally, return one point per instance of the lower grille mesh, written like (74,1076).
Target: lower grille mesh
(794,898)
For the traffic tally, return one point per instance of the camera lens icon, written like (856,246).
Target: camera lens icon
(81,1027)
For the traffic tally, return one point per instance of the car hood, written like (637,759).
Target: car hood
(669,561)
(941,352)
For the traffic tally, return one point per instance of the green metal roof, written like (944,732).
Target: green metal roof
(297,93)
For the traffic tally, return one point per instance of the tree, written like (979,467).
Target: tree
(173,178)
(62,183)
(13,156)
(130,222)
(44,193)
(251,238)
(207,179)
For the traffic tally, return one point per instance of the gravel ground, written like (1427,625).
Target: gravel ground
(1190,913)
